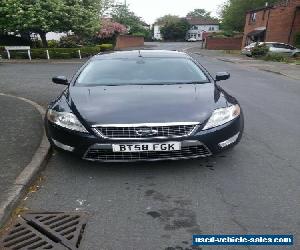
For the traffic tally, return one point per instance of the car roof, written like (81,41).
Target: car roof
(141,53)
(269,43)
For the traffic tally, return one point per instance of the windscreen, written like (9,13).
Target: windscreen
(141,71)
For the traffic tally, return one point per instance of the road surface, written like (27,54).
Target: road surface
(254,188)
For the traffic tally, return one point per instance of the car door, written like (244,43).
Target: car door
(289,49)
(282,48)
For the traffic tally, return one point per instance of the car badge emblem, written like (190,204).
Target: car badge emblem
(146,132)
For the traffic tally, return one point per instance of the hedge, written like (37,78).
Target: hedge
(297,39)
(54,53)
(106,47)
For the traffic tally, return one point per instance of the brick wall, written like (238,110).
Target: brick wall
(229,43)
(282,22)
(127,41)
(261,21)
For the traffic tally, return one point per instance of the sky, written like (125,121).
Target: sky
(150,10)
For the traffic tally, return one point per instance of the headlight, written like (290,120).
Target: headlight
(222,116)
(66,120)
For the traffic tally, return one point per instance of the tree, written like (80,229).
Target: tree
(81,17)
(110,29)
(105,7)
(199,13)
(233,12)
(121,13)
(31,16)
(175,29)
(43,16)
(167,19)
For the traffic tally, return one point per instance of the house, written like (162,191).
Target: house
(276,23)
(156,32)
(200,25)
(55,36)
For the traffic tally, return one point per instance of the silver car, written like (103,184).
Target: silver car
(274,47)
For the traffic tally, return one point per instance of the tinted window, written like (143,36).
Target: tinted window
(283,46)
(277,45)
(141,71)
(289,47)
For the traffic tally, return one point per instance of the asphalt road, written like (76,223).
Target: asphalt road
(254,188)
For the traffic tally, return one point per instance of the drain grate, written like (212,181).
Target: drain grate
(46,231)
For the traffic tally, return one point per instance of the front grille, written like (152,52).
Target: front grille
(130,132)
(194,151)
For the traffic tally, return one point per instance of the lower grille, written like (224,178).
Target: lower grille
(194,151)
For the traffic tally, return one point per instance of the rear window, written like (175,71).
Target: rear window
(141,71)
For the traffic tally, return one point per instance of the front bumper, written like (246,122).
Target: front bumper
(200,144)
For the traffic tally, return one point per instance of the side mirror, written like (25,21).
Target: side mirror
(60,80)
(221,76)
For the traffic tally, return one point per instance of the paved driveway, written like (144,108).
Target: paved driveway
(252,189)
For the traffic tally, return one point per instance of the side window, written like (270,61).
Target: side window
(289,47)
(252,17)
(283,46)
(277,45)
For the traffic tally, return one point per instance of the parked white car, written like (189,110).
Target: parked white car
(274,47)
(192,39)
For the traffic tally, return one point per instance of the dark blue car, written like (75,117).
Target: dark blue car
(143,105)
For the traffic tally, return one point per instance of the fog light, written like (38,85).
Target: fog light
(229,141)
(63,146)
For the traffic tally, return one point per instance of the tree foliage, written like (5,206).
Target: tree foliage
(175,29)
(121,13)
(199,13)
(260,50)
(110,29)
(42,16)
(167,19)
(233,12)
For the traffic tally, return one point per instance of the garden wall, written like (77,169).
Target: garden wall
(228,43)
(127,41)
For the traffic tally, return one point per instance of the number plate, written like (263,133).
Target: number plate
(144,147)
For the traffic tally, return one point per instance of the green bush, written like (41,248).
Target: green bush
(277,57)
(89,51)
(225,34)
(69,42)
(106,46)
(138,34)
(54,53)
(297,39)
(36,44)
(53,44)
(15,54)
(260,50)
